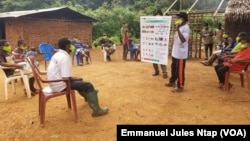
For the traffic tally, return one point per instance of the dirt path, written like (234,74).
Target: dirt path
(133,96)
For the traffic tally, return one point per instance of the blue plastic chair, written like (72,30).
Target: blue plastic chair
(47,50)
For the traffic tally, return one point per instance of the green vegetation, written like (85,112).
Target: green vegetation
(111,13)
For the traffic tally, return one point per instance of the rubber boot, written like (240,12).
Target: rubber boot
(94,104)
(83,95)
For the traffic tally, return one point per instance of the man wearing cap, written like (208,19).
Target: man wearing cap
(179,53)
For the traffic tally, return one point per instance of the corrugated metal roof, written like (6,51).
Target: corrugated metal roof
(52,13)
(27,12)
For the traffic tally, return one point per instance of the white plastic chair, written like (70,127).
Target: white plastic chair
(105,53)
(17,75)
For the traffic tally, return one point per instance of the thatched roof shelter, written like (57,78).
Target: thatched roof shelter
(237,17)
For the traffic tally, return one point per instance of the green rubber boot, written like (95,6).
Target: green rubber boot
(83,95)
(94,104)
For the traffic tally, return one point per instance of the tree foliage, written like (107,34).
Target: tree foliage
(110,13)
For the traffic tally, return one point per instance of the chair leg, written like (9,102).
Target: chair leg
(26,85)
(6,89)
(104,55)
(248,80)
(68,100)
(89,59)
(242,80)
(73,98)
(226,81)
(42,116)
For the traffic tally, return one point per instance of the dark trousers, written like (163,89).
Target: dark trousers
(178,72)
(31,83)
(125,51)
(82,86)
(210,48)
(163,68)
(220,70)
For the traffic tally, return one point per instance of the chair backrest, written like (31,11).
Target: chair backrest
(38,76)
(36,73)
(47,50)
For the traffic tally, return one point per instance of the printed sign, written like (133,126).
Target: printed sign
(155,33)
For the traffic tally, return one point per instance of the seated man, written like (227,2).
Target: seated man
(134,50)
(60,67)
(81,51)
(107,45)
(242,55)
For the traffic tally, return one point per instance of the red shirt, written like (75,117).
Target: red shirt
(245,53)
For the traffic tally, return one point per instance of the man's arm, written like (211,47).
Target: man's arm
(4,64)
(180,34)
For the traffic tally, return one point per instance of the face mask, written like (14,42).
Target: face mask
(7,49)
(178,21)
(237,39)
(105,37)
(24,47)
(224,36)
(243,45)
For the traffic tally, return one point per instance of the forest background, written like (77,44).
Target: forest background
(112,13)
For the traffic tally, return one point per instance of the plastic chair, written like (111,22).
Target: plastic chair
(19,74)
(105,53)
(47,50)
(45,93)
(243,73)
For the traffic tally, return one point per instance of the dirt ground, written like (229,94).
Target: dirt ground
(133,96)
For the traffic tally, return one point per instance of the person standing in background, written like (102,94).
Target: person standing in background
(125,40)
(207,35)
(219,31)
(158,12)
(179,53)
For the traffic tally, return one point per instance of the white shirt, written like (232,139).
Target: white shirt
(59,67)
(180,50)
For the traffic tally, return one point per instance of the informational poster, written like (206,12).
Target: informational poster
(155,33)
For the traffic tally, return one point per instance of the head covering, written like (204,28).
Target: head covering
(183,15)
